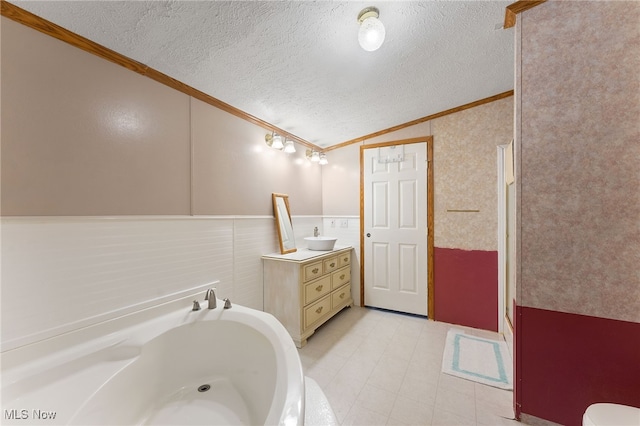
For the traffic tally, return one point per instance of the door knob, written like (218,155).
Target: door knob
(368,235)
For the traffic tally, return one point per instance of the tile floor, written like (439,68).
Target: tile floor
(384,368)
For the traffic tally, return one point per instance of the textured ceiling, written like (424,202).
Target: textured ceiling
(298,65)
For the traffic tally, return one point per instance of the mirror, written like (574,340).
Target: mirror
(283,223)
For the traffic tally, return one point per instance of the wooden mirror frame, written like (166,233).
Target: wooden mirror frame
(283,223)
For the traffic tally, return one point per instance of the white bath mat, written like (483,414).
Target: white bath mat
(481,360)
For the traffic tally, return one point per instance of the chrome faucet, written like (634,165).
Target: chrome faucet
(211,297)
(315,232)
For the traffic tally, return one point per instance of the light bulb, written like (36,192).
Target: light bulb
(323,159)
(289,148)
(315,156)
(372,32)
(276,142)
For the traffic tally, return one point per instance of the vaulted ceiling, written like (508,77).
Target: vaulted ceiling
(298,65)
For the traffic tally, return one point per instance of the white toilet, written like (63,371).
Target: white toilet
(605,414)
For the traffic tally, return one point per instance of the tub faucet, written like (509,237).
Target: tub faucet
(315,232)
(211,297)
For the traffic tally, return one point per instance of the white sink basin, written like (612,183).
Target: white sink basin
(320,243)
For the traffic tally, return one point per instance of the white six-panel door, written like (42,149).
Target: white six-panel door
(395,228)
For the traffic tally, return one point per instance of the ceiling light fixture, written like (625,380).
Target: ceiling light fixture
(371,33)
(323,159)
(274,140)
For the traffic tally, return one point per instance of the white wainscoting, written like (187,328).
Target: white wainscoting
(64,273)
(349,235)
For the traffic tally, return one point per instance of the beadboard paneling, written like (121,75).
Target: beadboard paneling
(64,273)
(349,236)
(303,227)
(252,239)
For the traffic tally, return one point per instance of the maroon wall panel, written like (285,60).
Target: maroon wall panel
(466,287)
(565,362)
(517,386)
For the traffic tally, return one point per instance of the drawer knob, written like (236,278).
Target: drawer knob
(314,270)
(341,295)
(342,277)
(319,310)
(332,264)
(319,288)
(345,259)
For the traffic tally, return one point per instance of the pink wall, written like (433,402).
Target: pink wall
(578,151)
(82,136)
(466,287)
(577,132)
(234,171)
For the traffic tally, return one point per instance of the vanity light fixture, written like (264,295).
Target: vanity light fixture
(274,140)
(371,33)
(317,157)
(289,147)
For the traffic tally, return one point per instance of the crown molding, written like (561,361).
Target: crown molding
(37,23)
(520,6)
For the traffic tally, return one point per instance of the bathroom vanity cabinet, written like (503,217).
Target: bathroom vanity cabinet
(306,288)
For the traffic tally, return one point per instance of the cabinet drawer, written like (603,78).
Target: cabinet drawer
(316,311)
(330,264)
(340,277)
(316,289)
(340,296)
(344,259)
(312,271)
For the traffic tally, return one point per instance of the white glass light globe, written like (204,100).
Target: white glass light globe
(289,148)
(371,34)
(277,142)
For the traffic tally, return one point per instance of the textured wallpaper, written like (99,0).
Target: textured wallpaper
(465,174)
(580,149)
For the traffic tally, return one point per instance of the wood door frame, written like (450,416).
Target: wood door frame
(430,218)
(502,236)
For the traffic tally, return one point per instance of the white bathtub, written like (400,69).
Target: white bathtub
(153,369)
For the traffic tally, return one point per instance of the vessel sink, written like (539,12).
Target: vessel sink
(320,243)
